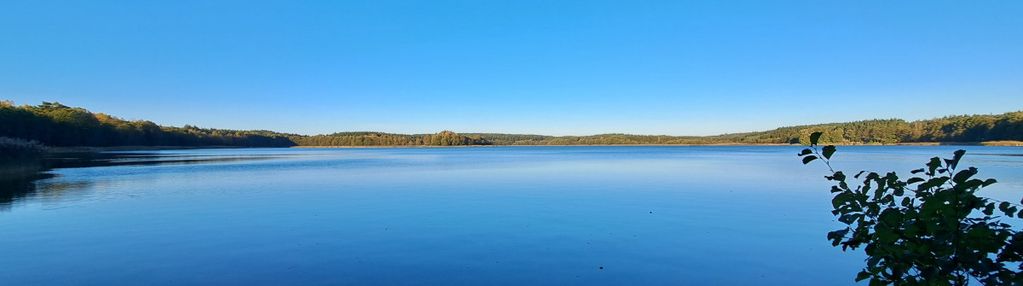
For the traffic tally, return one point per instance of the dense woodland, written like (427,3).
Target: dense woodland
(444,138)
(54,124)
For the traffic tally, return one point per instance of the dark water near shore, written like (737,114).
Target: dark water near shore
(442,216)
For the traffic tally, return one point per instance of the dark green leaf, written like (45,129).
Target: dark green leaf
(957,155)
(837,235)
(932,183)
(862,276)
(849,218)
(989,209)
(827,151)
(838,176)
(815,138)
(933,165)
(805,152)
(988,182)
(964,175)
(808,159)
(873,261)
(841,199)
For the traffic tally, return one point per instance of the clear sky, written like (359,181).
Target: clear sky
(547,67)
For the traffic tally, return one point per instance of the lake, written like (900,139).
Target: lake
(729,215)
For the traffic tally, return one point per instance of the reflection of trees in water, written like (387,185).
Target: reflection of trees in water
(94,159)
(57,190)
(11,191)
(14,190)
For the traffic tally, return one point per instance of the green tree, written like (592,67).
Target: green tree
(930,229)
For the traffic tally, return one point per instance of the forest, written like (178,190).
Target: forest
(444,138)
(54,124)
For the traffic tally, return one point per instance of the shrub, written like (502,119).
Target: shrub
(930,229)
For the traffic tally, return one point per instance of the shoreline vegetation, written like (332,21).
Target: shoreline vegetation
(86,149)
(62,128)
(984,143)
(20,158)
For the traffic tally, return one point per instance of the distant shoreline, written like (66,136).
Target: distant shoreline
(46,124)
(1000,143)
(154,148)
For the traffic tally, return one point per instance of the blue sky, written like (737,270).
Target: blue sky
(547,67)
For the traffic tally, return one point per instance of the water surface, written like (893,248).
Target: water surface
(446,216)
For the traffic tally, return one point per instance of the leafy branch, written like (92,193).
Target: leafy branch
(929,229)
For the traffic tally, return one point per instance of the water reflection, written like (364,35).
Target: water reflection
(104,159)
(441,216)
(15,189)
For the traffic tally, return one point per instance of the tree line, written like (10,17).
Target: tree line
(444,138)
(950,129)
(54,124)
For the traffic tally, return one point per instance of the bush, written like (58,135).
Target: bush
(930,229)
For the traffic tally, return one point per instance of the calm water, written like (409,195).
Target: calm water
(447,216)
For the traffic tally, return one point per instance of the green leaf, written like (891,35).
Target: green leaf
(862,275)
(838,176)
(964,175)
(989,209)
(836,236)
(815,137)
(873,261)
(805,152)
(956,156)
(933,165)
(808,159)
(932,183)
(914,180)
(841,199)
(849,218)
(828,151)
(988,182)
